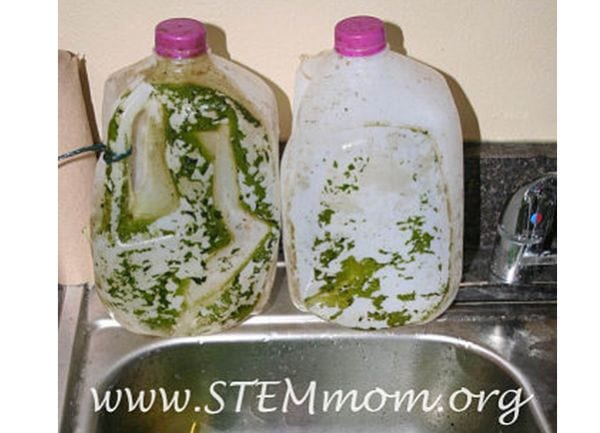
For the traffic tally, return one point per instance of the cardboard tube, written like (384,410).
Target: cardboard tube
(75,176)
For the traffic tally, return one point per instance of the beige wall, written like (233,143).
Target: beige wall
(498,55)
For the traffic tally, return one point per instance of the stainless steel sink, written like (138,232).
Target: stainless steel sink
(493,338)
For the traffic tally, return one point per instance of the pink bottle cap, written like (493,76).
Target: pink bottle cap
(359,36)
(180,38)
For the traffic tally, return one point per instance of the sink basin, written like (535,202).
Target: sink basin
(505,345)
(439,365)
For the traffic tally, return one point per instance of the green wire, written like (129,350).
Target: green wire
(109,156)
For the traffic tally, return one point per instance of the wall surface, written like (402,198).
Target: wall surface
(499,56)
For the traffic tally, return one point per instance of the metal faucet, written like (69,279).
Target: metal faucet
(526,234)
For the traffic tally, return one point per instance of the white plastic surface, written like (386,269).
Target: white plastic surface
(372,191)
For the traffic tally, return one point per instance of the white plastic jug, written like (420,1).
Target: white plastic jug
(186,224)
(372,185)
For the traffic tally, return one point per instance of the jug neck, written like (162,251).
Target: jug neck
(169,66)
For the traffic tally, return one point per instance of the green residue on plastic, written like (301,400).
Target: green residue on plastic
(392,319)
(164,317)
(253,179)
(123,280)
(407,296)
(127,226)
(229,305)
(446,288)
(341,276)
(348,181)
(398,262)
(264,251)
(106,204)
(378,301)
(236,302)
(418,130)
(430,295)
(155,310)
(131,281)
(325,216)
(347,187)
(224,108)
(113,125)
(214,227)
(377,123)
(355,279)
(334,248)
(420,240)
(398,318)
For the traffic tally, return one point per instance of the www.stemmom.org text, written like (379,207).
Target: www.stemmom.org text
(282,395)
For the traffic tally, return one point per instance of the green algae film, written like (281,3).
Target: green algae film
(159,272)
(379,255)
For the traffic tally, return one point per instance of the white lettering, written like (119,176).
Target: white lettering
(174,401)
(516,402)
(217,397)
(105,403)
(262,395)
(290,394)
(468,399)
(413,400)
(242,384)
(139,401)
(340,400)
(382,400)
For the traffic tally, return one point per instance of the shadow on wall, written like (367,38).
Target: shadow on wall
(472,165)
(87,99)
(218,45)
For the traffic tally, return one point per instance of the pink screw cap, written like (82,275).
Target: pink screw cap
(180,38)
(359,36)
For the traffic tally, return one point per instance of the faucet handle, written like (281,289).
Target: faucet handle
(527,230)
(530,215)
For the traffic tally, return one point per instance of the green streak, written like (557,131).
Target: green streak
(353,280)
(407,296)
(237,302)
(420,240)
(325,217)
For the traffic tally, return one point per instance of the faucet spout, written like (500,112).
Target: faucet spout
(526,233)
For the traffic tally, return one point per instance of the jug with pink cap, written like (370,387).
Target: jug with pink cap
(372,180)
(186,203)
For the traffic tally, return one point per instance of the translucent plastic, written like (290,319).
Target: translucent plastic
(185,229)
(372,194)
